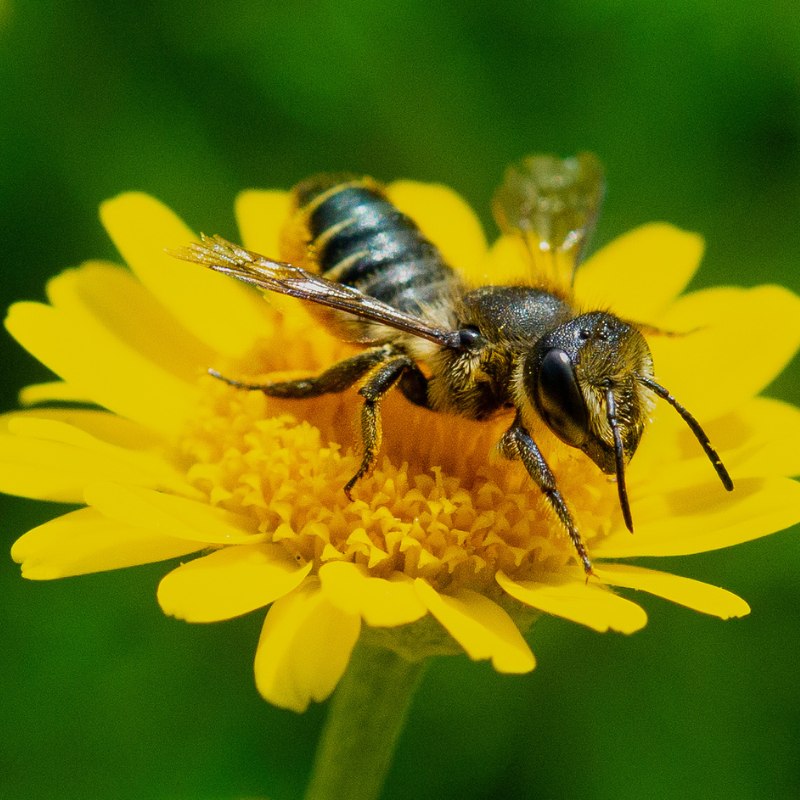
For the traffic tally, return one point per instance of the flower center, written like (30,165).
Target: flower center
(436,505)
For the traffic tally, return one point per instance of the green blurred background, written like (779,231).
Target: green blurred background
(694,108)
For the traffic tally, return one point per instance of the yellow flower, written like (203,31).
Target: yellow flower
(442,548)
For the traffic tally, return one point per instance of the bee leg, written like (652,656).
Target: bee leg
(517,443)
(414,386)
(336,379)
(382,380)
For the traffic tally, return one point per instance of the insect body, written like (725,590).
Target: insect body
(471,352)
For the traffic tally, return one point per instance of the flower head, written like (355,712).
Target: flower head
(442,547)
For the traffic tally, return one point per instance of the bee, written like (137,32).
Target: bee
(523,349)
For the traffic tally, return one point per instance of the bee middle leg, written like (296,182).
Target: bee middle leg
(384,367)
(516,443)
(398,368)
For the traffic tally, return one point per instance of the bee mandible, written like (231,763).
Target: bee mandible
(476,352)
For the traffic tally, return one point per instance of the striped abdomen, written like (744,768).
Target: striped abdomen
(355,236)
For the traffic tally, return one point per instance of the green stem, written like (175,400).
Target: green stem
(365,718)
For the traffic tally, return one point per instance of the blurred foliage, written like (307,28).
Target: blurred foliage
(695,109)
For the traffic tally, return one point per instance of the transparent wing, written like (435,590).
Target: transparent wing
(553,204)
(277,276)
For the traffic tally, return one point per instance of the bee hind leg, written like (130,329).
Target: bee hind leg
(517,444)
(335,379)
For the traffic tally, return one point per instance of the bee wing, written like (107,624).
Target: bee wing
(552,204)
(277,276)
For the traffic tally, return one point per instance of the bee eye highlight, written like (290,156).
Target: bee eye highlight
(559,399)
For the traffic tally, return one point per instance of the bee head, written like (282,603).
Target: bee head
(574,373)
(584,379)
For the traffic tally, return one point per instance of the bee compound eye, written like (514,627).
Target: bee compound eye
(559,398)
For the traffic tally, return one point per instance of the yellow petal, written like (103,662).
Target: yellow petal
(106,428)
(480,626)
(85,541)
(760,438)
(684,591)
(220,312)
(705,518)
(640,273)
(53,391)
(261,215)
(101,366)
(119,442)
(507,262)
(445,219)
(304,648)
(44,457)
(670,458)
(719,363)
(111,296)
(573,599)
(381,603)
(230,582)
(172,516)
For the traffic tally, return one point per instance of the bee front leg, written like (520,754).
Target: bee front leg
(517,443)
(382,380)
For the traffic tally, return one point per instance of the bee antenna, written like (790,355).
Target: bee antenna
(699,433)
(619,455)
